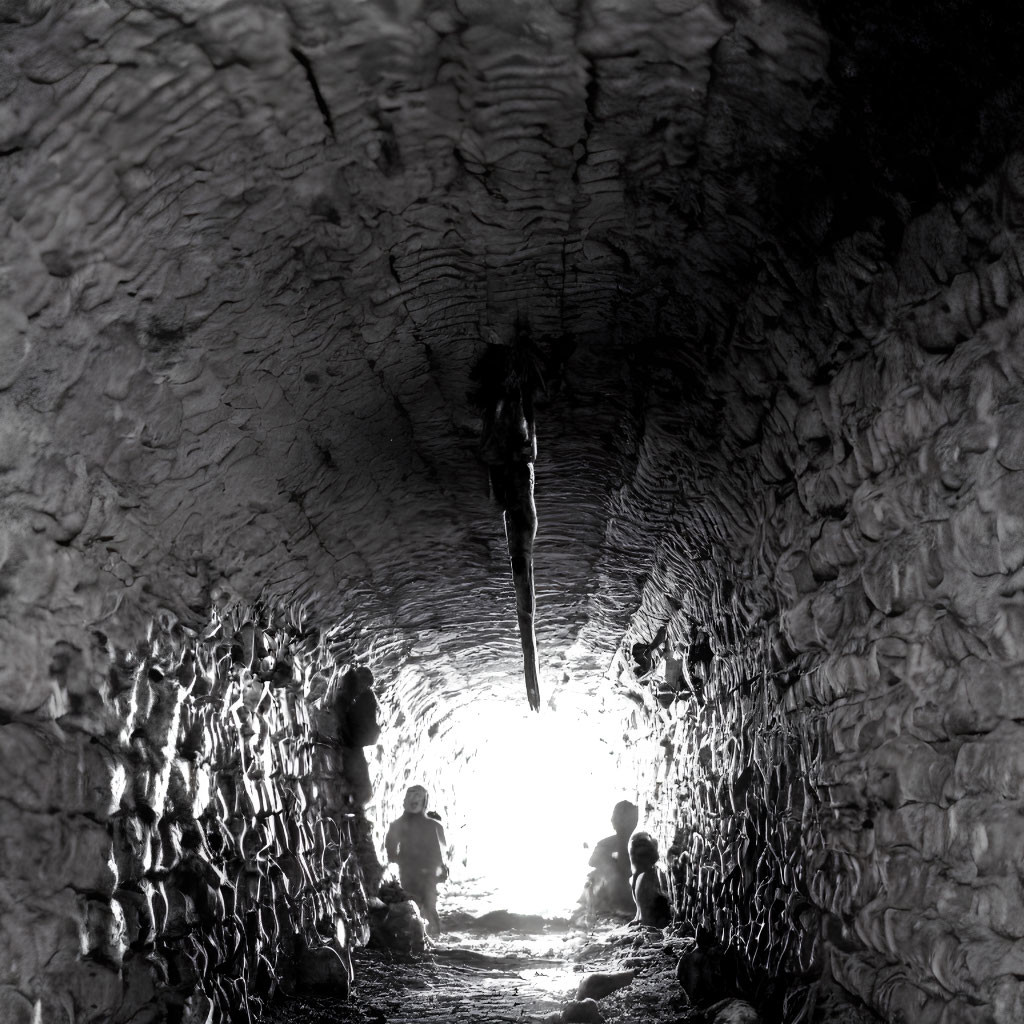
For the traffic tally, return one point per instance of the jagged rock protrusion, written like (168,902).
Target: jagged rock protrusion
(508,379)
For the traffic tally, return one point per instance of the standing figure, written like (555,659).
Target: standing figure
(356,713)
(417,843)
(648,881)
(608,885)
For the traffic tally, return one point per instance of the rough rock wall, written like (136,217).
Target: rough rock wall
(900,568)
(193,254)
(849,794)
(728,800)
(252,251)
(182,837)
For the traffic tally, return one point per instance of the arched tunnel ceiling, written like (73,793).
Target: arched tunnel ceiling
(253,251)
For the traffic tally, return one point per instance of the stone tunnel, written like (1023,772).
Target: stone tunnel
(769,258)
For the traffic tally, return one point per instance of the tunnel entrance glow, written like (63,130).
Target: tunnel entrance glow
(531,799)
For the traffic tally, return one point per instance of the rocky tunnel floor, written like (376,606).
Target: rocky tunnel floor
(476,976)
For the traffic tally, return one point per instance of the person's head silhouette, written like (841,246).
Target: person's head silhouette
(624,817)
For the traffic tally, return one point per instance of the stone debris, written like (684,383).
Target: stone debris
(449,983)
(398,926)
(323,969)
(581,1011)
(597,986)
(732,1011)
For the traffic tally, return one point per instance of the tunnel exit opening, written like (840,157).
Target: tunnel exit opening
(524,798)
(535,796)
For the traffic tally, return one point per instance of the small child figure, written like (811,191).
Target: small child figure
(417,843)
(653,909)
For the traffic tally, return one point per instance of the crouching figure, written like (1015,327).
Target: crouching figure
(649,884)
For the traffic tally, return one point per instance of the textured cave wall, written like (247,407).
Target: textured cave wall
(900,568)
(251,255)
(849,794)
(183,841)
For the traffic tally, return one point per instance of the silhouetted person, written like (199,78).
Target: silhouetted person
(356,711)
(609,886)
(648,883)
(417,844)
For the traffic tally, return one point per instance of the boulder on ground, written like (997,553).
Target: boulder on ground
(732,1011)
(322,970)
(402,929)
(199,1009)
(597,986)
(14,1007)
(582,1011)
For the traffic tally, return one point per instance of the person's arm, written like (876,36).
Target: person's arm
(365,727)
(634,887)
(392,841)
(663,881)
(357,721)
(442,847)
(374,725)
(603,858)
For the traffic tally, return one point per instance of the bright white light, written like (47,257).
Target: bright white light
(534,795)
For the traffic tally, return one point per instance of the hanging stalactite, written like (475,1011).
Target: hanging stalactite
(508,378)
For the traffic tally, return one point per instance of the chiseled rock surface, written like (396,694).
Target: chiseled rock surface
(181,841)
(854,771)
(251,254)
